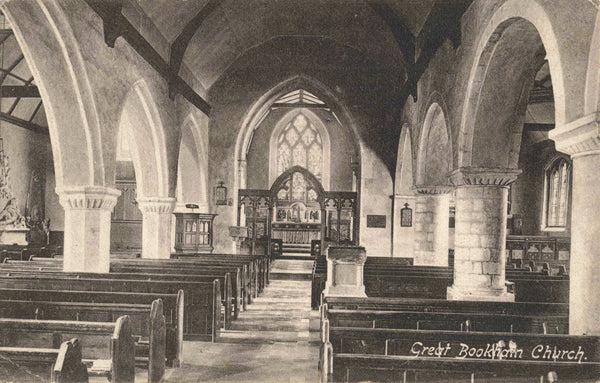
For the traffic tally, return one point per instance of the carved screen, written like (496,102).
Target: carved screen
(300,144)
(297,200)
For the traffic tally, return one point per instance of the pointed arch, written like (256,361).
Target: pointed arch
(192,164)
(307,175)
(512,13)
(140,116)
(260,108)
(403,181)
(71,112)
(592,88)
(434,160)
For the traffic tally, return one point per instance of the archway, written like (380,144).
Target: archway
(192,167)
(141,119)
(403,235)
(511,51)
(432,203)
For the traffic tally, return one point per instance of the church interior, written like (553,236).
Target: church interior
(299,191)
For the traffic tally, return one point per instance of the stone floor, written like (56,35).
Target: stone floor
(270,342)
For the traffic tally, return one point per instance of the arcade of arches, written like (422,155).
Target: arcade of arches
(412,130)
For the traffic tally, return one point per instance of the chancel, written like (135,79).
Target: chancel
(299,191)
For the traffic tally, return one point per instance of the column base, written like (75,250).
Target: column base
(345,291)
(456,293)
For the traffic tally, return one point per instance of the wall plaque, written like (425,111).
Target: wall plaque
(406,216)
(376,221)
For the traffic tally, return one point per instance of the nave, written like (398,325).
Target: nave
(270,342)
(434,163)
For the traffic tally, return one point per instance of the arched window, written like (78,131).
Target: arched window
(300,139)
(300,144)
(558,183)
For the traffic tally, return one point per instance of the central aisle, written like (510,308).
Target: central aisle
(270,342)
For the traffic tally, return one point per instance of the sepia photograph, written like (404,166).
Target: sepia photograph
(299,191)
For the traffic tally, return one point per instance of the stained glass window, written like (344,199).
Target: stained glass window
(557,186)
(300,144)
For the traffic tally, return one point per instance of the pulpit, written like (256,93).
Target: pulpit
(194,232)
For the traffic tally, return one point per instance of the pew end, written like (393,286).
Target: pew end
(68,366)
(123,346)
(156,354)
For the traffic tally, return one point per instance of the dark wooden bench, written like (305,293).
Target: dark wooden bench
(432,282)
(202,306)
(151,349)
(457,321)
(109,346)
(97,307)
(229,298)
(62,365)
(360,354)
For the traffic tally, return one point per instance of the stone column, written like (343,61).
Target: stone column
(480,234)
(345,271)
(432,214)
(581,140)
(156,226)
(88,212)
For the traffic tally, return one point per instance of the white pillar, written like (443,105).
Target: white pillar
(581,140)
(156,226)
(88,212)
(432,215)
(480,234)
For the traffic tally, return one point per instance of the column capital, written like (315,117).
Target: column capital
(578,137)
(161,205)
(483,176)
(88,197)
(432,189)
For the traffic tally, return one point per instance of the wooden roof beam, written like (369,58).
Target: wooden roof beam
(23,124)
(19,91)
(116,25)
(182,41)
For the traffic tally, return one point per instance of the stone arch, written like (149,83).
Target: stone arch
(261,107)
(403,181)
(141,117)
(592,88)
(434,160)
(321,128)
(192,165)
(71,111)
(515,36)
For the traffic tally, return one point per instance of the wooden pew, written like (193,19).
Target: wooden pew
(432,282)
(360,354)
(457,321)
(228,297)
(239,294)
(38,304)
(62,365)
(150,351)
(243,285)
(258,264)
(202,306)
(112,358)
